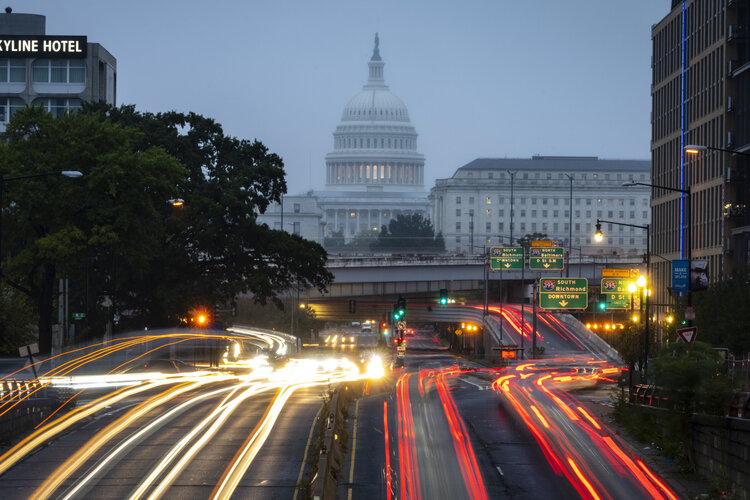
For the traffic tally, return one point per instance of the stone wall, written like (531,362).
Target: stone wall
(720,448)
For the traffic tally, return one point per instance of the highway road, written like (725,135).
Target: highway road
(440,427)
(182,432)
(449,428)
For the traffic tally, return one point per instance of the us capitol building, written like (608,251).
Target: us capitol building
(373,174)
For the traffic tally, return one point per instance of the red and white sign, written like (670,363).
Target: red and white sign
(688,334)
(690,313)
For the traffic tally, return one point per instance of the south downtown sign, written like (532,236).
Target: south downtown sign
(563,293)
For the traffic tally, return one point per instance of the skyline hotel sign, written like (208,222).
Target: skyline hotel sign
(46,46)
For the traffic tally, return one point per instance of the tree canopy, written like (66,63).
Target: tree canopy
(113,232)
(409,233)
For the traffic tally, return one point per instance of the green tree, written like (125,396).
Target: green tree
(722,314)
(691,376)
(52,222)
(409,233)
(214,249)
(335,242)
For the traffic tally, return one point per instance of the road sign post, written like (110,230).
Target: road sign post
(506,258)
(547,258)
(563,293)
(688,334)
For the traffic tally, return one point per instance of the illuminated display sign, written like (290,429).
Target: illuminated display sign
(21,46)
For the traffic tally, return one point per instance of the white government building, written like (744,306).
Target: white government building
(375,173)
(473,207)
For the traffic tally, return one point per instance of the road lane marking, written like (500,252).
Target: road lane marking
(354,445)
(304,455)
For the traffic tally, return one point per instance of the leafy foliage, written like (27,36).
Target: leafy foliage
(722,314)
(691,375)
(409,233)
(113,232)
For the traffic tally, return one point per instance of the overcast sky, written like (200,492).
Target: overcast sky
(481,78)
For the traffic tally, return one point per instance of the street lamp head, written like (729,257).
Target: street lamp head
(71,173)
(598,236)
(641,281)
(694,149)
(630,184)
(176,202)
(632,287)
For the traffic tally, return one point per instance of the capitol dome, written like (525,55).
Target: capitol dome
(375,145)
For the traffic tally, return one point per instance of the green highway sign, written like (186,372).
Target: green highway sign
(618,300)
(506,258)
(78,316)
(616,285)
(547,258)
(563,293)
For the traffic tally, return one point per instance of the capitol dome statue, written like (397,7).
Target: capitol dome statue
(375,145)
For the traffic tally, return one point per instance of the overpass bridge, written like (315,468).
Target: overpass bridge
(415,275)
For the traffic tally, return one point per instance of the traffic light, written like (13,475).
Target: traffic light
(401,309)
(352,306)
(443,296)
(602,305)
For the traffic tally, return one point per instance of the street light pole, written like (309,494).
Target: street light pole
(512,174)
(570,224)
(647,228)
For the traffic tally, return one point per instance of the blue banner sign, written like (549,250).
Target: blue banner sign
(680,275)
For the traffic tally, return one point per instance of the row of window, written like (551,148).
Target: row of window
(521,200)
(43,71)
(556,213)
(560,176)
(375,143)
(545,226)
(56,106)
(578,241)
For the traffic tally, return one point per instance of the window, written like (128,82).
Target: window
(489,176)
(12,71)
(500,213)
(588,214)
(58,71)
(645,214)
(458,239)
(555,213)
(488,212)
(610,214)
(458,200)
(523,213)
(58,106)
(8,106)
(296,208)
(488,227)
(533,213)
(500,227)
(458,226)
(458,212)
(533,201)
(471,200)
(544,213)
(471,212)
(555,201)
(588,202)
(544,201)
(523,226)
(489,200)
(296,228)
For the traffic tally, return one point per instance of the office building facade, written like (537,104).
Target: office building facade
(700,96)
(58,73)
